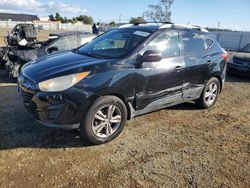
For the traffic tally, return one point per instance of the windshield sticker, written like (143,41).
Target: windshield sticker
(142,33)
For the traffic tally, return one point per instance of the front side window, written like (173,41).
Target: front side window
(167,43)
(114,44)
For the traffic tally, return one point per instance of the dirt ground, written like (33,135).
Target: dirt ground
(180,146)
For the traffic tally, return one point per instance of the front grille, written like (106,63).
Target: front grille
(27,96)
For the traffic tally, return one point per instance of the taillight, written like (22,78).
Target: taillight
(225,57)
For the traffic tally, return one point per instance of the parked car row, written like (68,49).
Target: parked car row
(124,73)
(239,64)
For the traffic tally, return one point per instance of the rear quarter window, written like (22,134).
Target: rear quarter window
(208,43)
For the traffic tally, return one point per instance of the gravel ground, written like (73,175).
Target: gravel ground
(180,146)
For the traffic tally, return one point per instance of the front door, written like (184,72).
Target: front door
(160,83)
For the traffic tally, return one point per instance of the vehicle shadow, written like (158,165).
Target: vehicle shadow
(18,128)
(185,106)
(4,78)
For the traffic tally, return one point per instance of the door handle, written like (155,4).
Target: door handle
(210,62)
(178,68)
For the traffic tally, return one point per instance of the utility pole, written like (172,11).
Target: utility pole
(120,19)
(219,25)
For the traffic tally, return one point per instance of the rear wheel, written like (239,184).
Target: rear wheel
(210,94)
(104,121)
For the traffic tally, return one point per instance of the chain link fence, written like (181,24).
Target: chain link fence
(233,40)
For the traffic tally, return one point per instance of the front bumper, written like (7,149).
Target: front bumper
(59,110)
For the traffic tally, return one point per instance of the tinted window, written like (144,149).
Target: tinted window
(165,42)
(194,43)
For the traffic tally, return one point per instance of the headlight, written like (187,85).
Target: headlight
(62,83)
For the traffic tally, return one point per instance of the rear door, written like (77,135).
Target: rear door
(160,83)
(197,63)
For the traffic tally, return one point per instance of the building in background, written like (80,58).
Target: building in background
(17,17)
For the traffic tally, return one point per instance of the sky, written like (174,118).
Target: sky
(231,14)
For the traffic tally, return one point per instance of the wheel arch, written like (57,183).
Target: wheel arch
(219,78)
(124,101)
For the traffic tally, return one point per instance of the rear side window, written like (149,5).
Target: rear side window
(165,42)
(194,44)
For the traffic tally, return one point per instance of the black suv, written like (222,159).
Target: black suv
(126,72)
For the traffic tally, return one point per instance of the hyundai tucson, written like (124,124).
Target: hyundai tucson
(124,73)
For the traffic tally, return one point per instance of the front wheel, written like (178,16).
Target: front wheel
(104,121)
(210,94)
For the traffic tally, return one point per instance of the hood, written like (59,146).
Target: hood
(59,64)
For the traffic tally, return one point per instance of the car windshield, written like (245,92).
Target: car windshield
(114,44)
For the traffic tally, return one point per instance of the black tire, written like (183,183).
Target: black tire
(87,125)
(202,102)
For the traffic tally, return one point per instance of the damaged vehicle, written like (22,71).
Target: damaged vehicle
(24,47)
(124,73)
(239,65)
(2,52)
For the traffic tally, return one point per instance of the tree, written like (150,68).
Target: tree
(112,23)
(64,20)
(160,12)
(58,17)
(85,19)
(73,20)
(134,20)
(51,17)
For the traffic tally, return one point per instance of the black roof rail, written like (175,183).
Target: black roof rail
(140,23)
(168,25)
(153,23)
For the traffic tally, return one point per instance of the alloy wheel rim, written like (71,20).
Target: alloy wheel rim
(106,121)
(211,93)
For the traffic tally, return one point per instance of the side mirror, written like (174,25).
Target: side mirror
(52,49)
(151,56)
